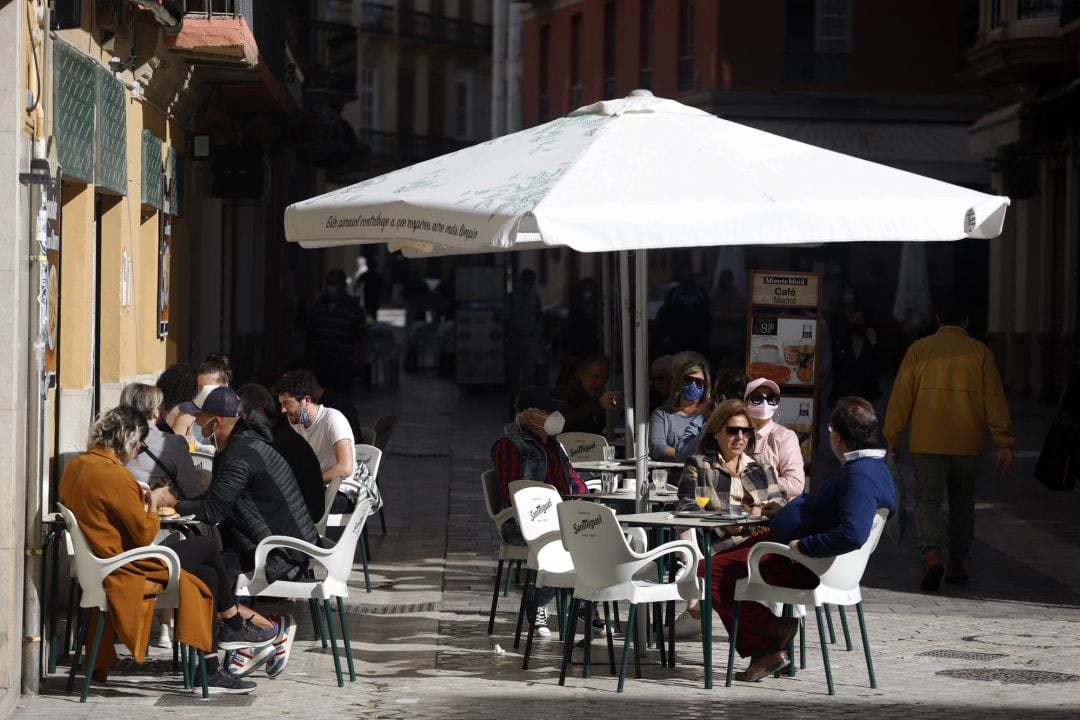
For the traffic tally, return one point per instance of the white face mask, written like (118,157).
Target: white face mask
(203,437)
(764,411)
(554,423)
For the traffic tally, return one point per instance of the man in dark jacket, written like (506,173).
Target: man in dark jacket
(257,405)
(587,403)
(253,493)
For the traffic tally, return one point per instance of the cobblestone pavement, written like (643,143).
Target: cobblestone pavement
(1006,645)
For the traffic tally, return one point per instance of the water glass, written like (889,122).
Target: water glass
(659,479)
(608,482)
(609,454)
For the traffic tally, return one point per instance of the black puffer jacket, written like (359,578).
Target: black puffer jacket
(252,495)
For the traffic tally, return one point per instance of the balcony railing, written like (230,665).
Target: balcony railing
(377,18)
(332,58)
(817,68)
(407,148)
(212,8)
(1029,9)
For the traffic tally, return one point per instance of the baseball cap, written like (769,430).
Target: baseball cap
(217,400)
(537,397)
(758,382)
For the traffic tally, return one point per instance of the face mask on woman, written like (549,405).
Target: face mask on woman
(554,423)
(691,391)
(764,411)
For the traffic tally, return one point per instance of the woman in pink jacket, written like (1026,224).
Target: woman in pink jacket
(779,447)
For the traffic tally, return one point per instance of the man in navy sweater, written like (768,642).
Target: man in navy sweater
(834,520)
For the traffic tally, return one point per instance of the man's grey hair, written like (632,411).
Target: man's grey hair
(665,363)
(144,398)
(253,396)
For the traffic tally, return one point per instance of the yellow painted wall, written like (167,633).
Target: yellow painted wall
(77,284)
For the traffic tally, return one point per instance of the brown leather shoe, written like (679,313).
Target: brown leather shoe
(956,574)
(932,570)
(763,667)
(786,629)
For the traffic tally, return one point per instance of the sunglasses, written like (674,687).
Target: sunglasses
(700,382)
(771,398)
(733,430)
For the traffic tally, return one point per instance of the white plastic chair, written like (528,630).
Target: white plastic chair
(513,553)
(582,445)
(608,569)
(339,520)
(535,509)
(372,456)
(91,571)
(839,585)
(337,562)
(203,461)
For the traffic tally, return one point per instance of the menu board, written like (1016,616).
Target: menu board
(164,263)
(782,345)
(49,293)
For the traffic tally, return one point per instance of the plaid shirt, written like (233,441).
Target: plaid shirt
(508,467)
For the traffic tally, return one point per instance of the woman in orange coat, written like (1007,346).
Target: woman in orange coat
(113,512)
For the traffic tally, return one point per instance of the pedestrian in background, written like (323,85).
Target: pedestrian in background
(949,388)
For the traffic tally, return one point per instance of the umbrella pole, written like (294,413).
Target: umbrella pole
(641,393)
(606,311)
(627,364)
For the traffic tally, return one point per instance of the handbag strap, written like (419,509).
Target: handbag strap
(157,461)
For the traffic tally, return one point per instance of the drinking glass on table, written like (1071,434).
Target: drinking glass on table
(659,479)
(703,493)
(609,454)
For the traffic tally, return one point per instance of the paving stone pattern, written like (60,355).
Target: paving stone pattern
(422,651)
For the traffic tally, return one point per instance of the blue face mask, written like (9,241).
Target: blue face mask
(691,392)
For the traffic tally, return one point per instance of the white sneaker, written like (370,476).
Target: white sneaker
(540,623)
(245,660)
(686,626)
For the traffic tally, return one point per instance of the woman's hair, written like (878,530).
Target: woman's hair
(144,398)
(719,418)
(219,370)
(729,383)
(120,429)
(680,375)
(177,382)
(854,420)
(297,383)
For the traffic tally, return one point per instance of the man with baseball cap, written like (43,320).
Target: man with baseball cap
(252,495)
(529,451)
(778,446)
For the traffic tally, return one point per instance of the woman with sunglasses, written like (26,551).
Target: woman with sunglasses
(778,446)
(724,463)
(674,427)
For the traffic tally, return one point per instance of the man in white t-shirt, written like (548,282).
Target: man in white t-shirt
(325,429)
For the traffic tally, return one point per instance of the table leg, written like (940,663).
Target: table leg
(706,612)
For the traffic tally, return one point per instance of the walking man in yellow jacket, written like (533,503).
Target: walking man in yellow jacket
(949,388)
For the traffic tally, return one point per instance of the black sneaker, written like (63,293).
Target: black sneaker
(223,681)
(249,635)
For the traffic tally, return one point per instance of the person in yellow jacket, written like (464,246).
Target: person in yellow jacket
(949,388)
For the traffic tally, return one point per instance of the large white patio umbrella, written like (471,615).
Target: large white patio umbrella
(635,174)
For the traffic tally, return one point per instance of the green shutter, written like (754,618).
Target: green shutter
(176,181)
(111,171)
(74,91)
(153,192)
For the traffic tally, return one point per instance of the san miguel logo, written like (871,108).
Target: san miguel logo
(537,512)
(588,524)
(584,448)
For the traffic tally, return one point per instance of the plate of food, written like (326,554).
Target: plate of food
(776,372)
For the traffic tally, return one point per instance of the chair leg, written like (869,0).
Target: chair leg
(590,610)
(802,643)
(175,654)
(610,639)
(565,627)
(333,641)
(660,610)
(627,639)
(832,631)
(509,576)
(495,598)
(568,643)
(364,561)
(824,650)
(79,641)
(382,519)
(615,609)
(202,674)
(866,645)
(844,626)
(636,630)
(71,623)
(317,620)
(526,594)
(345,638)
(731,645)
(560,609)
(184,667)
(788,612)
(528,645)
(93,656)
